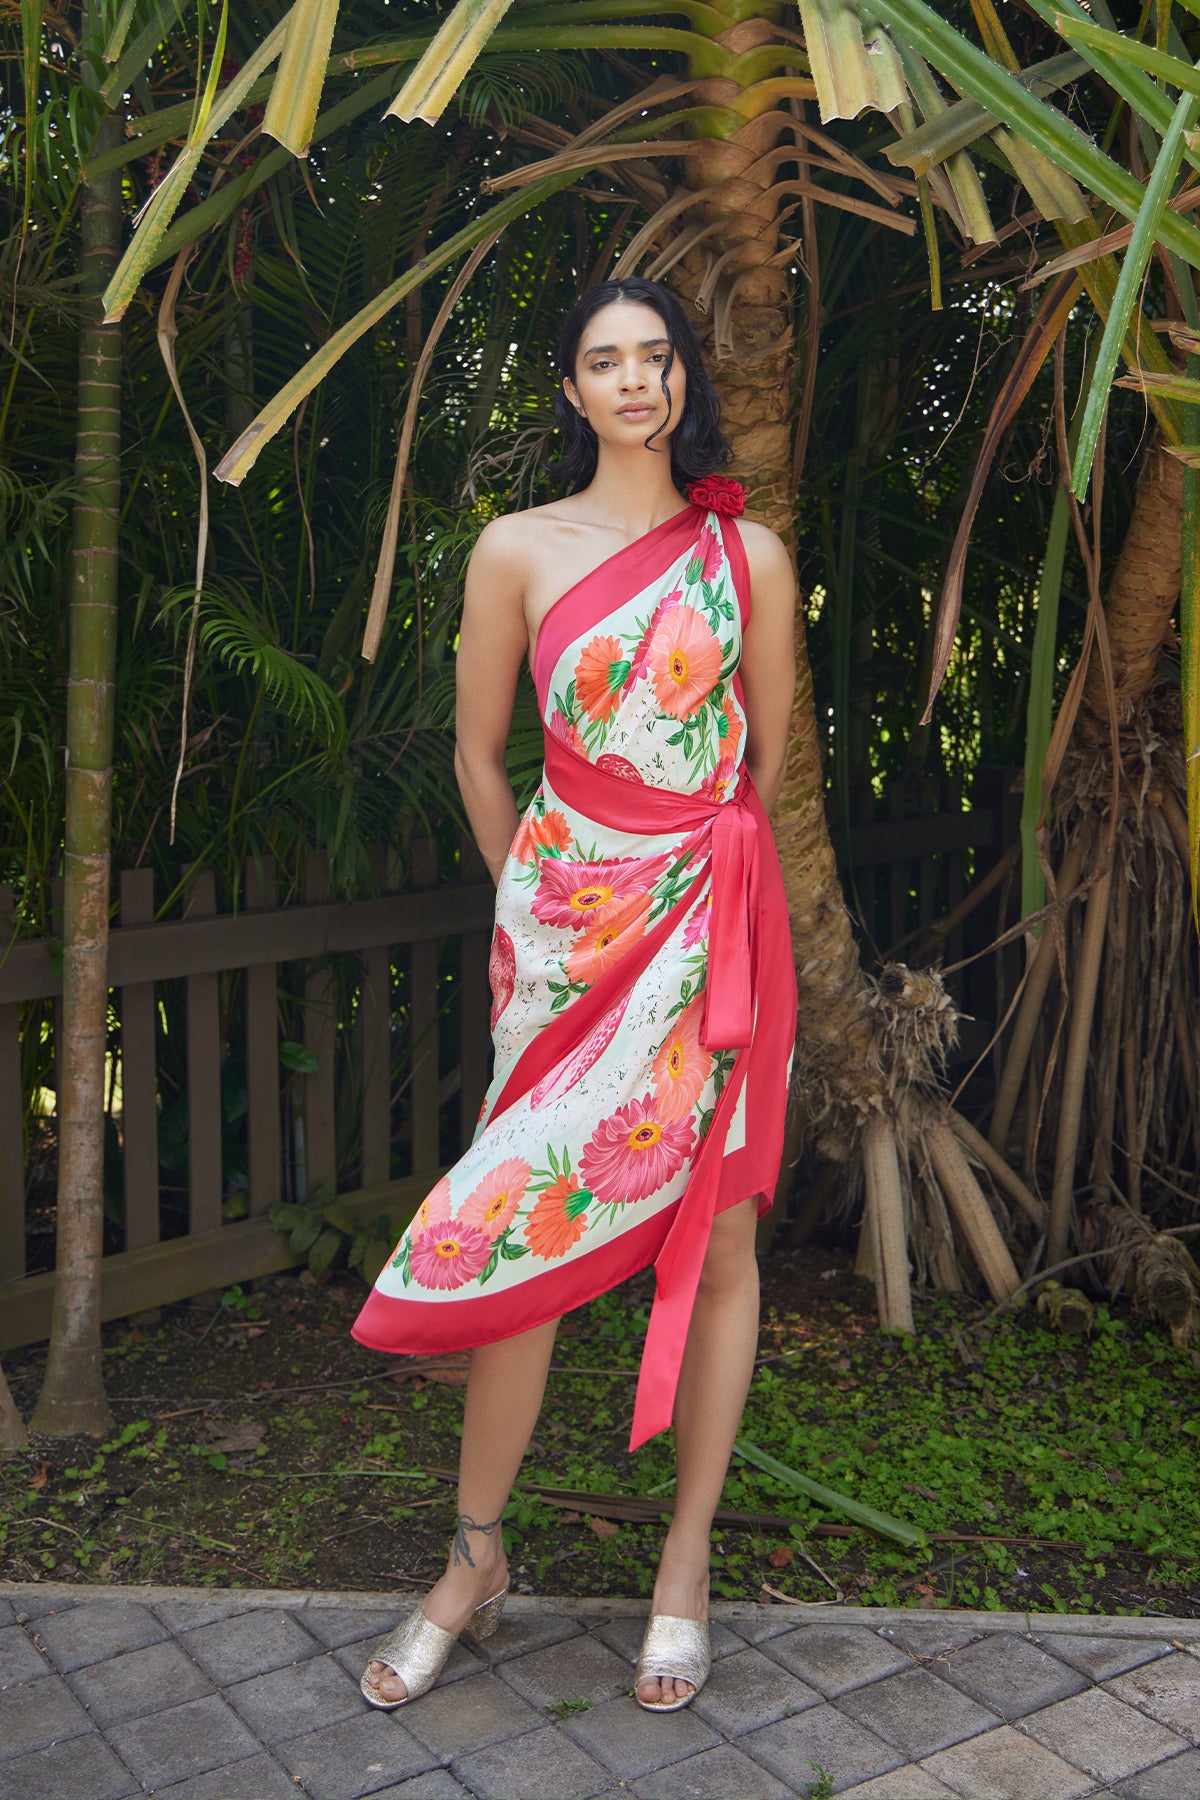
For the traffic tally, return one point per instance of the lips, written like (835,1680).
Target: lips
(635,412)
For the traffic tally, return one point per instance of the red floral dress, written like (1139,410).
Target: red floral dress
(639,1084)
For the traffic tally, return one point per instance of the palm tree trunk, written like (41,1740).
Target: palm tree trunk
(72,1397)
(1144,590)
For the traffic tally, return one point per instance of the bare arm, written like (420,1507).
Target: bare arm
(768,666)
(491,645)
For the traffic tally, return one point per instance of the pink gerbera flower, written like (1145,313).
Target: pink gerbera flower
(681,1067)
(685,662)
(448,1254)
(576,894)
(634,1151)
(436,1205)
(717,782)
(656,618)
(492,1204)
(561,728)
(599,673)
(707,557)
(697,925)
(605,943)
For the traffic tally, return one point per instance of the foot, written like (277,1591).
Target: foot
(681,1592)
(450,1604)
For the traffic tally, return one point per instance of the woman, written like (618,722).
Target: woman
(643,993)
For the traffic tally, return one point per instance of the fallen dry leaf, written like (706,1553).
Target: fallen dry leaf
(247,1436)
(780,1558)
(603,1528)
(40,1476)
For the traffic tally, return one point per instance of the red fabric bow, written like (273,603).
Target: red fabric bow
(719,494)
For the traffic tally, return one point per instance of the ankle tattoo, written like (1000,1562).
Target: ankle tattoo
(463,1524)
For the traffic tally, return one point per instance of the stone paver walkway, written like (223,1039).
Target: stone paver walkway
(196,1695)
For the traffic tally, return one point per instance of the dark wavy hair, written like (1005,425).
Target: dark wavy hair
(698,446)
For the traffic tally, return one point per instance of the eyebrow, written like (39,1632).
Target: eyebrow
(611,349)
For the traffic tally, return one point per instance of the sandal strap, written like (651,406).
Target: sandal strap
(676,1648)
(416,1651)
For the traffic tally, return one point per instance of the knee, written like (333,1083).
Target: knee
(729,1264)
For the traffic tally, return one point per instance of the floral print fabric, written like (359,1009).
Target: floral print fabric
(646,691)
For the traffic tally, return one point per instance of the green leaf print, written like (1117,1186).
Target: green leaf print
(510,1252)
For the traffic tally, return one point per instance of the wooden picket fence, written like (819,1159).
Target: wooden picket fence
(387,1001)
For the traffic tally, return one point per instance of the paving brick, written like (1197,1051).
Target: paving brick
(772,1621)
(1168,1690)
(461,1661)
(1100,1658)
(918,1712)
(632,1743)
(1098,1733)
(911,1783)
(522,1633)
(256,1778)
(1011,1675)
(749,1690)
(338,1625)
(37,1713)
(32,1605)
(580,1669)
(713,1775)
(20,1659)
(1005,1765)
(470,1715)
(625,1637)
(438,1784)
(543,1765)
(287,1703)
(141,1681)
(1176,1779)
(7,1613)
(359,1756)
(249,1644)
(82,1769)
(185,1740)
(189,1615)
(824,1736)
(836,1658)
(928,1641)
(98,1630)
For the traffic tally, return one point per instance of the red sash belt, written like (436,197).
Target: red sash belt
(748,955)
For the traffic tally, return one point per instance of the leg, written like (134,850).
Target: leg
(718,1362)
(504,1396)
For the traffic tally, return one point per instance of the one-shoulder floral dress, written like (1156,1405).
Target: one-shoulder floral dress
(643,989)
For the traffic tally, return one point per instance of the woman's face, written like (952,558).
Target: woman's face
(618,376)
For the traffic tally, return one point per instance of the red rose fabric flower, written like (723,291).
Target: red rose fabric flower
(719,494)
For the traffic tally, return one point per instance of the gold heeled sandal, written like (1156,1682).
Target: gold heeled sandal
(674,1650)
(417,1650)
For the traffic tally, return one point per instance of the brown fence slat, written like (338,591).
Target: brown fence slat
(12,1139)
(476,1005)
(262,1052)
(423,1028)
(139,1079)
(375,1049)
(927,869)
(955,883)
(204,1077)
(897,871)
(320,1147)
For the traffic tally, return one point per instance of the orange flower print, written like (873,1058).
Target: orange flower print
(730,726)
(548,836)
(605,943)
(558,1221)
(492,1204)
(599,676)
(718,781)
(685,662)
(681,1067)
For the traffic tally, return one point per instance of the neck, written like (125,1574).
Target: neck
(633,490)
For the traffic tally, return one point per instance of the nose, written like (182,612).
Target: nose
(632,375)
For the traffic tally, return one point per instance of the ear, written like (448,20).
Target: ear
(572,393)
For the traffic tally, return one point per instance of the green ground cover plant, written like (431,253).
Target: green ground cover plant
(258,1445)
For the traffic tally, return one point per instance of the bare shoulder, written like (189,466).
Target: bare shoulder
(507,543)
(765,553)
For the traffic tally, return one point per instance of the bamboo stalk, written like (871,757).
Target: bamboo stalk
(1005,1176)
(1029,1011)
(885,1207)
(971,1211)
(1083,1006)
